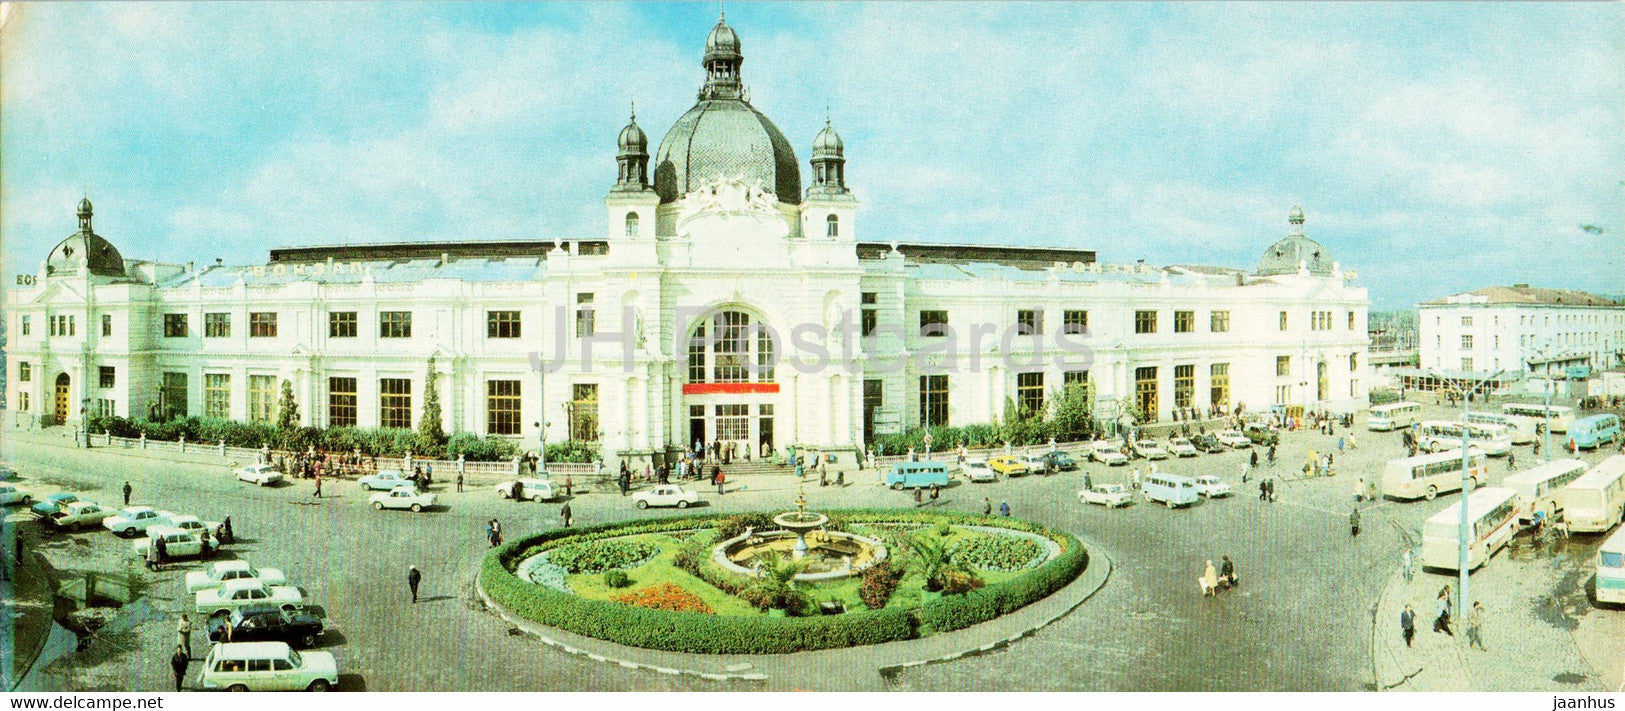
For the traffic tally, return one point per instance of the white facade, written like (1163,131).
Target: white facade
(1521,329)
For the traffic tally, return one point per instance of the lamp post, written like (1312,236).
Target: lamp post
(84,419)
(1464,535)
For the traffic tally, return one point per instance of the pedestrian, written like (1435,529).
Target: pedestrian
(459,482)
(152,555)
(987,506)
(227,535)
(1088,483)
(1512,461)
(1353,443)
(569,485)
(1004,509)
(1442,604)
(162,550)
(823,478)
(127,490)
(1339,444)
(840,478)
(626,482)
(1359,489)
(564,513)
(496,532)
(1263,490)
(413,578)
(1272,489)
(1407,625)
(919,496)
(1475,627)
(936,492)
(318,492)
(518,492)
(721,479)
(1253,463)
(1272,454)
(1354,521)
(1407,565)
(177,663)
(183,635)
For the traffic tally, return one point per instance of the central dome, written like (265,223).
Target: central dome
(723,136)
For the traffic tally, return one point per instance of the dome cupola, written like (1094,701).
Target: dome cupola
(632,158)
(1295,252)
(85,250)
(828,163)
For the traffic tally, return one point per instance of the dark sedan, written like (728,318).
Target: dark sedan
(1060,461)
(1207,443)
(267,623)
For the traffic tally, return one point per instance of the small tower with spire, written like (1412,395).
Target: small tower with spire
(632,202)
(633,157)
(829,208)
(722,60)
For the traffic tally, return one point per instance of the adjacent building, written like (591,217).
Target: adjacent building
(1521,330)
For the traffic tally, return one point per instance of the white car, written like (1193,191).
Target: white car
(1234,439)
(267,666)
(225,571)
(537,490)
(403,497)
(978,470)
(1036,464)
(1108,495)
(134,520)
(79,515)
(1106,452)
(178,542)
(666,495)
(1212,487)
(261,474)
(386,480)
(242,593)
(1150,449)
(194,524)
(10,494)
(1181,447)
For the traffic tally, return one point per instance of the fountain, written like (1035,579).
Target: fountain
(825,555)
(800,522)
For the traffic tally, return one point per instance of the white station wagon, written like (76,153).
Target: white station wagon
(10,494)
(1212,487)
(1234,439)
(978,470)
(261,474)
(665,495)
(402,497)
(386,480)
(178,542)
(242,593)
(267,666)
(225,571)
(1108,495)
(537,490)
(1181,447)
(1106,452)
(1150,449)
(133,520)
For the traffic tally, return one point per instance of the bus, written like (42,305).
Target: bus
(1537,488)
(1611,569)
(1596,501)
(1427,475)
(1393,416)
(1492,515)
(1441,435)
(1594,431)
(1522,428)
(1557,416)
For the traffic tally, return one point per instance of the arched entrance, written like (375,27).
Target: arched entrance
(1323,386)
(730,391)
(59,411)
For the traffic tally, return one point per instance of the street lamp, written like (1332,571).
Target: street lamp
(84,419)
(1463,535)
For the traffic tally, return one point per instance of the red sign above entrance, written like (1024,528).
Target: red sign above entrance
(728,388)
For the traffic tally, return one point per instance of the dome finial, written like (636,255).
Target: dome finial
(634,111)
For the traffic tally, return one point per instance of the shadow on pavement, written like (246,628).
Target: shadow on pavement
(352,682)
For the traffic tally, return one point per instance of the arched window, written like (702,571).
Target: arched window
(727,348)
(833,226)
(631,224)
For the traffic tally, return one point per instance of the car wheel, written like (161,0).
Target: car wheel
(364,487)
(319,685)
(642,504)
(897,487)
(682,504)
(1170,503)
(237,687)
(308,640)
(378,506)
(1433,492)
(417,508)
(537,498)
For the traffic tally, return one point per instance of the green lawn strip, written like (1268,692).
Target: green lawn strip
(660,570)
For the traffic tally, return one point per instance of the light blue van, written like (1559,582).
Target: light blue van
(1594,431)
(917,475)
(1170,489)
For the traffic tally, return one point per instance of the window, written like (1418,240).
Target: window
(1467,364)
(395,403)
(1184,321)
(933,400)
(1074,377)
(584,316)
(1354,362)
(1184,385)
(696,354)
(262,324)
(933,324)
(1218,394)
(1466,320)
(174,326)
(216,325)
(871,312)
(341,402)
(832,226)
(1283,320)
(631,224)
(26,325)
(1030,392)
(502,324)
(395,324)
(105,376)
(217,395)
(1029,322)
(25,372)
(584,412)
(1075,321)
(1466,341)
(1351,320)
(1283,365)
(733,422)
(173,395)
(502,406)
(22,400)
(1145,322)
(1145,392)
(1283,394)
(1219,322)
(107,324)
(341,324)
(261,398)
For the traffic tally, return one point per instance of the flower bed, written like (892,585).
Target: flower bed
(601,555)
(665,596)
(999,552)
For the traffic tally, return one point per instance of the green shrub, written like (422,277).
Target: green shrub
(998,552)
(617,579)
(573,450)
(952,612)
(737,524)
(879,582)
(601,555)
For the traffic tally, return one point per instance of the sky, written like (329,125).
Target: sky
(1435,148)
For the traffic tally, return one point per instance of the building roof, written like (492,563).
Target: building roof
(942,253)
(1524,295)
(85,249)
(1295,251)
(401,271)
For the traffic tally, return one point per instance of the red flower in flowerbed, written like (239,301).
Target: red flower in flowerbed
(665,596)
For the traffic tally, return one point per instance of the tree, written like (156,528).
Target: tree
(1073,412)
(287,418)
(430,432)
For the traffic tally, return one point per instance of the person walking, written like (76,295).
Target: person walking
(721,478)
(1359,489)
(569,485)
(919,496)
(1272,454)
(1407,565)
(840,478)
(1354,522)
(1442,604)
(178,663)
(564,513)
(318,492)
(1263,490)
(127,490)
(1210,581)
(413,579)
(459,482)
(227,535)
(1407,624)
(183,635)
(1253,462)
(1475,627)
(162,550)
(987,506)
(1004,509)
(1271,485)
(936,492)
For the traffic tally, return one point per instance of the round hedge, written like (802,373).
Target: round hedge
(719,634)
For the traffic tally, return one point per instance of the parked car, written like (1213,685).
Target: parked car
(1212,487)
(7,473)
(1234,439)
(1207,443)
(53,503)
(1108,495)
(1008,465)
(1059,461)
(402,497)
(1150,449)
(917,475)
(1036,463)
(222,572)
(195,525)
(11,494)
(1107,453)
(665,495)
(386,480)
(178,543)
(537,490)
(133,520)
(242,593)
(79,515)
(267,623)
(267,666)
(1261,434)
(1181,447)
(261,474)
(978,470)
